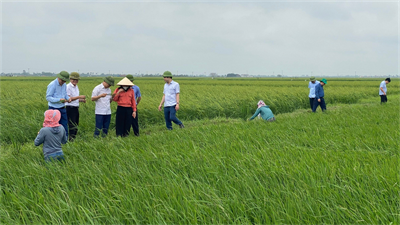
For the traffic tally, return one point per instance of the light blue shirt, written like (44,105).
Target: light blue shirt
(136,90)
(55,92)
(170,91)
(383,86)
(312,89)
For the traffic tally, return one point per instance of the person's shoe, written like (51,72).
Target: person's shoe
(181,125)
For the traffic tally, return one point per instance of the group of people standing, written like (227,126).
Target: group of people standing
(62,118)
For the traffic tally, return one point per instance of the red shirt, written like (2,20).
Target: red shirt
(125,98)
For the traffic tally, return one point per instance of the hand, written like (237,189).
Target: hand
(159,108)
(319,100)
(62,100)
(69,100)
(38,132)
(82,100)
(134,114)
(384,93)
(120,90)
(177,107)
(103,95)
(82,96)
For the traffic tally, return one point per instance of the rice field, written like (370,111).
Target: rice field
(339,167)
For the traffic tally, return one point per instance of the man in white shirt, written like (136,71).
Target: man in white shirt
(383,90)
(170,100)
(311,85)
(102,96)
(73,106)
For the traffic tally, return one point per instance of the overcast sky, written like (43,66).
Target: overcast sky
(327,38)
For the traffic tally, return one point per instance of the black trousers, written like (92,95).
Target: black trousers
(123,120)
(135,124)
(383,98)
(73,121)
(311,102)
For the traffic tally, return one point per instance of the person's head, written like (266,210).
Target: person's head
(62,77)
(108,82)
(74,78)
(323,82)
(125,83)
(51,118)
(312,79)
(130,77)
(167,76)
(261,103)
(387,80)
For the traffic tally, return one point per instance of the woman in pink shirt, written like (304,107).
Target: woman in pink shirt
(126,110)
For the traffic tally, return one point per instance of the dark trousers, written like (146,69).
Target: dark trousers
(383,98)
(73,121)
(102,124)
(311,102)
(123,120)
(170,115)
(64,118)
(321,104)
(135,124)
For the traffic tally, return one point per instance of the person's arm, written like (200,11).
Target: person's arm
(64,137)
(177,102)
(162,101)
(80,97)
(256,113)
(133,102)
(317,87)
(384,93)
(139,96)
(96,96)
(309,84)
(39,138)
(138,100)
(115,96)
(49,94)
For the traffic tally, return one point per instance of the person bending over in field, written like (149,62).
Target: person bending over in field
(52,135)
(264,111)
(56,95)
(102,96)
(73,106)
(126,110)
(383,90)
(170,100)
(319,96)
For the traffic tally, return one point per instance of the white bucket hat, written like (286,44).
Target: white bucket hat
(125,82)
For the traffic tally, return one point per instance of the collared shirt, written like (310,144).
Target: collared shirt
(170,91)
(125,98)
(312,89)
(383,86)
(102,104)
(55,92)
(136,89)
(319,91)
(72,91)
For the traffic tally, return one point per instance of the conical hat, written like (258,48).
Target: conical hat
(126,82)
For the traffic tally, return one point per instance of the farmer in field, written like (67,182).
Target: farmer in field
(126,110)
(138,97)
(264,111)
(52,135)
(383,90)
(73,106)
(319,96)
(102,96)
(170,100)
(311,85)
(56,95)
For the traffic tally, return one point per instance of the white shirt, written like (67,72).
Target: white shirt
(102,104)
(72,91)
(383,86)
(312,89)
(170,91)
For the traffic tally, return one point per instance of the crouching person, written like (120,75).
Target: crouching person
(264,111)
(52,135)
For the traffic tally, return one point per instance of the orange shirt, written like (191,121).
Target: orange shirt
(125,98)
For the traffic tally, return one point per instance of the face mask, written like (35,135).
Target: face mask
(125,88)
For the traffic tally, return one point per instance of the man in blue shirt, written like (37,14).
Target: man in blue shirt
(56,95)
(170,100)
(311,85)
(138,97)
(319,95)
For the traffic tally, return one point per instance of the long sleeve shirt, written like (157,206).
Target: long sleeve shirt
(319,91)
(125,98)
(55,92)
(311,86)
(265,112)
(51,138)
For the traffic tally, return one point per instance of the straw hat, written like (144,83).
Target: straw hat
(125,82)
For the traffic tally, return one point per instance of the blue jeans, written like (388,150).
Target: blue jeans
(64,119)
(58,156)
(170,115)
(321,104)
(102,123)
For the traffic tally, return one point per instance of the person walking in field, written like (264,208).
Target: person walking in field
(171,101)
(383,90)
(264,111)
(73,106)
(311,85)
(56,96)
(102,96)
(138,98)
(126,110)
(319,96)
(52,135)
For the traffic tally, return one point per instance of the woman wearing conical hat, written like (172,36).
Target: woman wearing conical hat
(126,110)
